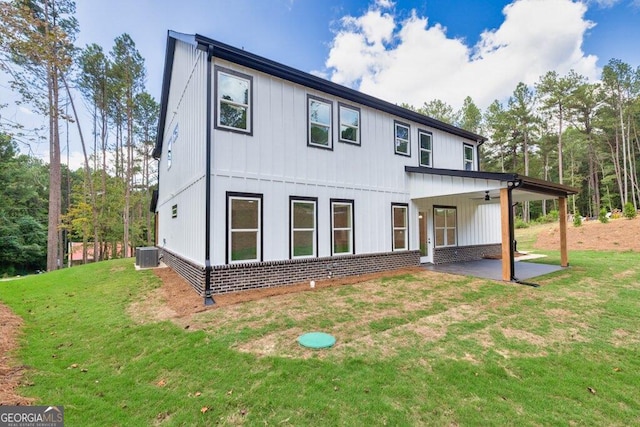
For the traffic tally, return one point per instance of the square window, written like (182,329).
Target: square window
(349,118)
(233,100)
(320,122)
(445,226)
(402,139)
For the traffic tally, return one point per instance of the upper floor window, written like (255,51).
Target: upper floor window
(402,139)
(469,159)
(445,226)
(244,227)
(341,227)
(303,227)
(349,118)
(425,148)
(233,100)
(400,233)
(320,118)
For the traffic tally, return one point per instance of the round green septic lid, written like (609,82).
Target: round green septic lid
(316,340)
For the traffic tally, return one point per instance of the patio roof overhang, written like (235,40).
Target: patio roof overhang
(544,189)
(526,187)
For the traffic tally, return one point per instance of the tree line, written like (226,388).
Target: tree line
(565,129)
(105,204)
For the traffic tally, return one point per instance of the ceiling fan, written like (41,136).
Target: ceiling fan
(486,198)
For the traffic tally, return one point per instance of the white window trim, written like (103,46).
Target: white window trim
(394,207)
(357,128)
(231,230)
(310,122)
(314,229)
(335,203)
(421,150)
(446,227)
(219,100)
(396,139)
(471,161)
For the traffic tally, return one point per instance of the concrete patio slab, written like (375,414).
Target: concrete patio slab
(492,269)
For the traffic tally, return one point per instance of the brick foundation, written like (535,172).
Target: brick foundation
(465,253)
(256,275)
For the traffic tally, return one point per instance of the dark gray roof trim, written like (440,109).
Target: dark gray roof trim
(258,63)
(526,183)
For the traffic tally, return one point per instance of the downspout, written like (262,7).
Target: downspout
(480,142)
(208,299)
(512,185)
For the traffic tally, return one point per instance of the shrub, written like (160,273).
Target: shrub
(552,216)
(602,216)
(577,219)
(629,211)
(520,223)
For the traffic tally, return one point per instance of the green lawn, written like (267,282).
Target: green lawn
(415,349)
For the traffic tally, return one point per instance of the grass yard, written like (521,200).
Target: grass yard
(412,349)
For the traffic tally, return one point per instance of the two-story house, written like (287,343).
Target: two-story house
(271,176)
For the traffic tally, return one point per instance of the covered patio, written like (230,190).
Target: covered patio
(492,269)
(493,192)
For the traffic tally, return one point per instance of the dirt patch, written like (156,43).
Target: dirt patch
(10,373)
(183,301)
(617,235)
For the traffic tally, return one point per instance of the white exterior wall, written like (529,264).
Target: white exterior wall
(277,162)
(183,184)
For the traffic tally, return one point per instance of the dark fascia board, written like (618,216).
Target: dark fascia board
(525,183)
(241,57)
(172,36)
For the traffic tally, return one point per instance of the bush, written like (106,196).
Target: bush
(602,216)
(629,211)
(552,216)
(520,223)
(577,219)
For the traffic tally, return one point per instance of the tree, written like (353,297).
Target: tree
(438,110)
(555,91)
(128,70)
(621,84)
(23,211)
(37,38)
(146,118)
(470,116)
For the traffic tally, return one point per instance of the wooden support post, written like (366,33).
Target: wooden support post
(564,256)
(506,234)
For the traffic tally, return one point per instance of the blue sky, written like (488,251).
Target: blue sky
(402,51)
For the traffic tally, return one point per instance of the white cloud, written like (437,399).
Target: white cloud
(414,61)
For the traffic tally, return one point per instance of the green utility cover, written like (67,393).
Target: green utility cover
(316,340)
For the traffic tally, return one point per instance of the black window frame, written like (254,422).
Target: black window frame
(420,133)
(353,225)
(349,107)
(331,126)
(464,158)
(397,123)
(293,199)
(242,195)
(435,241)
(216,119)
(405,206)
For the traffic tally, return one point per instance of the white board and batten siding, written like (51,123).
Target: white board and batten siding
(182,183)
(276,161)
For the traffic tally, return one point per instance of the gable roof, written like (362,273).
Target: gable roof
(238,56)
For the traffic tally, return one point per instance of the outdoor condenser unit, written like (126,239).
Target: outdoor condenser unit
(147,257)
